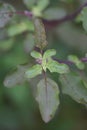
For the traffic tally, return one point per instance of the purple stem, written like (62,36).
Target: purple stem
(70,62)
(58,21)
(51,22)
(65,18)
(54,23)
(84,59)
(25,13)
(63,61)
(28,13)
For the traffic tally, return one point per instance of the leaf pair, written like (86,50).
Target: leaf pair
(47,90)
(46,63)
(36,6)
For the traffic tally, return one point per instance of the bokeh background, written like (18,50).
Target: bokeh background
(18,108)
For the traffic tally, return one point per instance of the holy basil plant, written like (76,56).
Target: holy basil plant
(47,95)
(47,90)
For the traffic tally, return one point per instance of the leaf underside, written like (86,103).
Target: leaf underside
(72,86)
(47,98)
(16,77)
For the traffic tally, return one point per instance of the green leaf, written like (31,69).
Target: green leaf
(29,3)
(49,53)
(73,58)
(54,66)
(54,13)
(4,16)
(16,77)
(72,85)
(83,18)
(85,83)
(20,28)
(78,63)
(47,98)
(42,4)
(36,54)
(33,71)
(40,36)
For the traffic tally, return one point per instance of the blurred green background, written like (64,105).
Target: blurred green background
(18,108)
